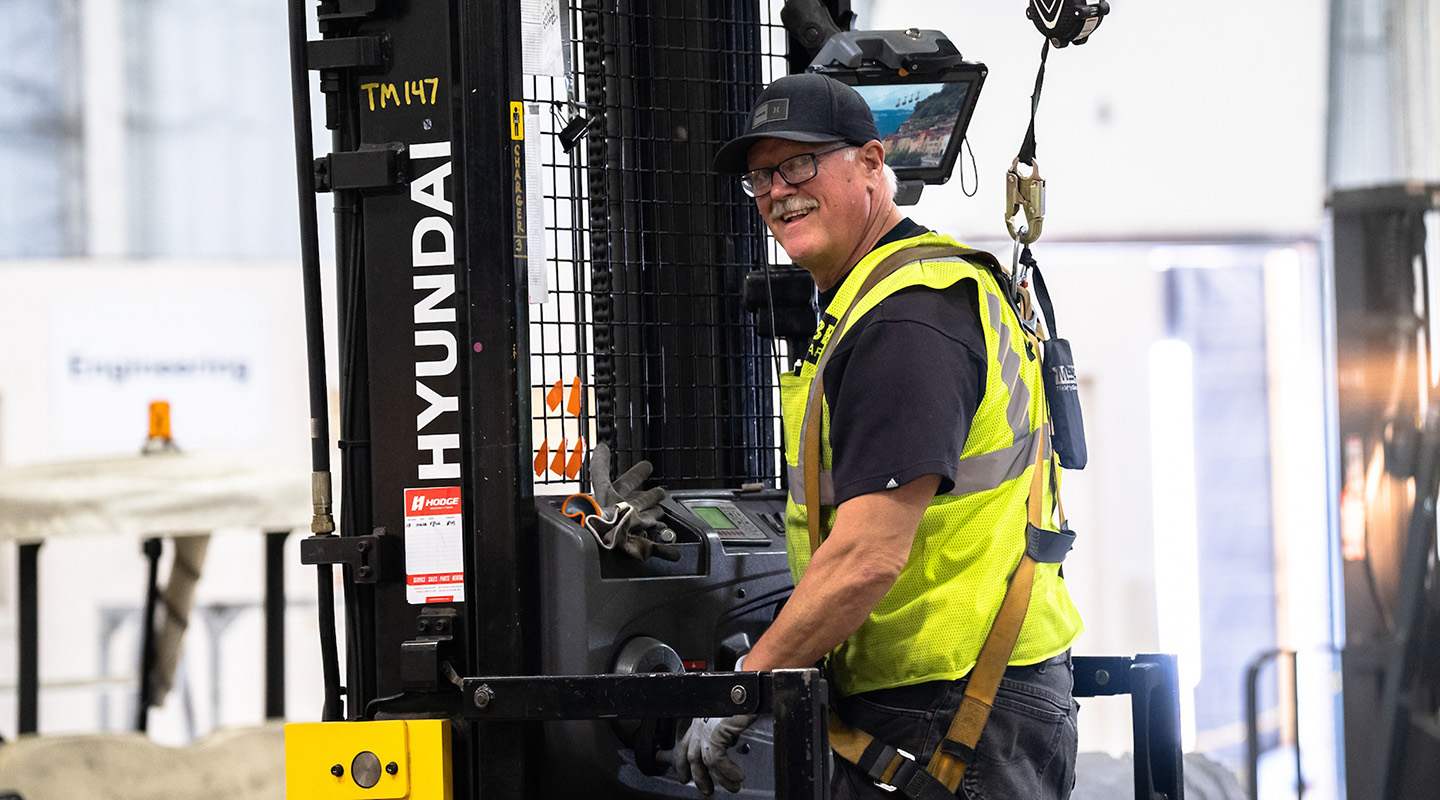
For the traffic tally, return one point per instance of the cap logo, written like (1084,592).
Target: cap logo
(771,111)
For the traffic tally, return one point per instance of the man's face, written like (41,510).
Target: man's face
(820,222)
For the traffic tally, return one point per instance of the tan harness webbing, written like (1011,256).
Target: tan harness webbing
(948,768)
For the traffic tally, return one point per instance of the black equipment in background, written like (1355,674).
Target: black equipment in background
(1387,418)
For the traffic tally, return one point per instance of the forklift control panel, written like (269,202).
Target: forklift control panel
(727,521)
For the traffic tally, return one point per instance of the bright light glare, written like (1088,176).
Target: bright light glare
(1177,590)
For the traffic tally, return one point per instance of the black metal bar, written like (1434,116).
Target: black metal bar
(556,697)
(797,697)
(1252,719)
(151,548)
(275,624)
(29,611)
(491,258)
(802,735)
(1153,683)
(1101,676)
(1155,713)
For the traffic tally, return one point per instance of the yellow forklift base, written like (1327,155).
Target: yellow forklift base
(389,760)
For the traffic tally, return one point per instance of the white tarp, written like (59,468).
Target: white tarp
(153,495)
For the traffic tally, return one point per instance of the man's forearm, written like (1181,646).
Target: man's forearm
(847,577)
(831,602)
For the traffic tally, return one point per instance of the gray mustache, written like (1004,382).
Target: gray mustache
(783,207)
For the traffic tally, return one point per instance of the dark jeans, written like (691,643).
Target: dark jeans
(1026,752)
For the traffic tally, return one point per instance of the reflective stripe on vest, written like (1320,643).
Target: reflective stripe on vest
(977,472)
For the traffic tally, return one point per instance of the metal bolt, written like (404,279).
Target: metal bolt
(913,33)
(337,770)
(422,625)
(392,768)
(362,546)
(738,695)
(364,572)
(1102,677)
(441,625)
(483,695)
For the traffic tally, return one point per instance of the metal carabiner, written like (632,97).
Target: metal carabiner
(1027,194)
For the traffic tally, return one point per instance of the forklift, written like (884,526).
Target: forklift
(534,261)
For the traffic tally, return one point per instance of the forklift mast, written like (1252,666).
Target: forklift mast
(455,337)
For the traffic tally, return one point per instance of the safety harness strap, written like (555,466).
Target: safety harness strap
(814,404)
(942,775)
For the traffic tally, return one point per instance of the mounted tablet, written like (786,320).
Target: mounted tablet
(921,91)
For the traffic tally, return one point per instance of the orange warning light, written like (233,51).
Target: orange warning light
(159,420)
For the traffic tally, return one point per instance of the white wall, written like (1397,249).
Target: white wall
(86,345)
(1169,123)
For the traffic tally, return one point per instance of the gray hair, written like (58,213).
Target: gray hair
(892,181)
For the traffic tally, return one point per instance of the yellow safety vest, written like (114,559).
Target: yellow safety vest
(932,622)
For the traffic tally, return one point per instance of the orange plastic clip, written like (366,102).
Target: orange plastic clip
(580,506)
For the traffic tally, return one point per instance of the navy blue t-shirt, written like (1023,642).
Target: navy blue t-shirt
(903,385)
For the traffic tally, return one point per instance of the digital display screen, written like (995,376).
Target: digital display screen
(916,120)
(714,517)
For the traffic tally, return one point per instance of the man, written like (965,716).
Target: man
(932,390)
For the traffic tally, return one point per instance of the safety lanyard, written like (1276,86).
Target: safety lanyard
(1027,148)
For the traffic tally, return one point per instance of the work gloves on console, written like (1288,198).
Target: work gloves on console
(627,516)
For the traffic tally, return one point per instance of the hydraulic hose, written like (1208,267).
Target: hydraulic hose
(322,523)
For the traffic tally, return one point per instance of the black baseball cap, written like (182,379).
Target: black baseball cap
(809,107)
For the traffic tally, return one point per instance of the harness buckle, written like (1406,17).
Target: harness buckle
(887,787)
(1027,194)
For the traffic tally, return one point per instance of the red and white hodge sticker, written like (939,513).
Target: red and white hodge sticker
(434,553)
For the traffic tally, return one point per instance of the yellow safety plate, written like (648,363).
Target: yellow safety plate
(388,760)
(517,121)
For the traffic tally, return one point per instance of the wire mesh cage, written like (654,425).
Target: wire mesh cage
(637,333)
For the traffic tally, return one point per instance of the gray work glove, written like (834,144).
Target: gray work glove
(610,492)
(627,516)
(704,751)
(625,530)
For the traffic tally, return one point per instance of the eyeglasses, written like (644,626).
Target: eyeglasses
(795,170)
